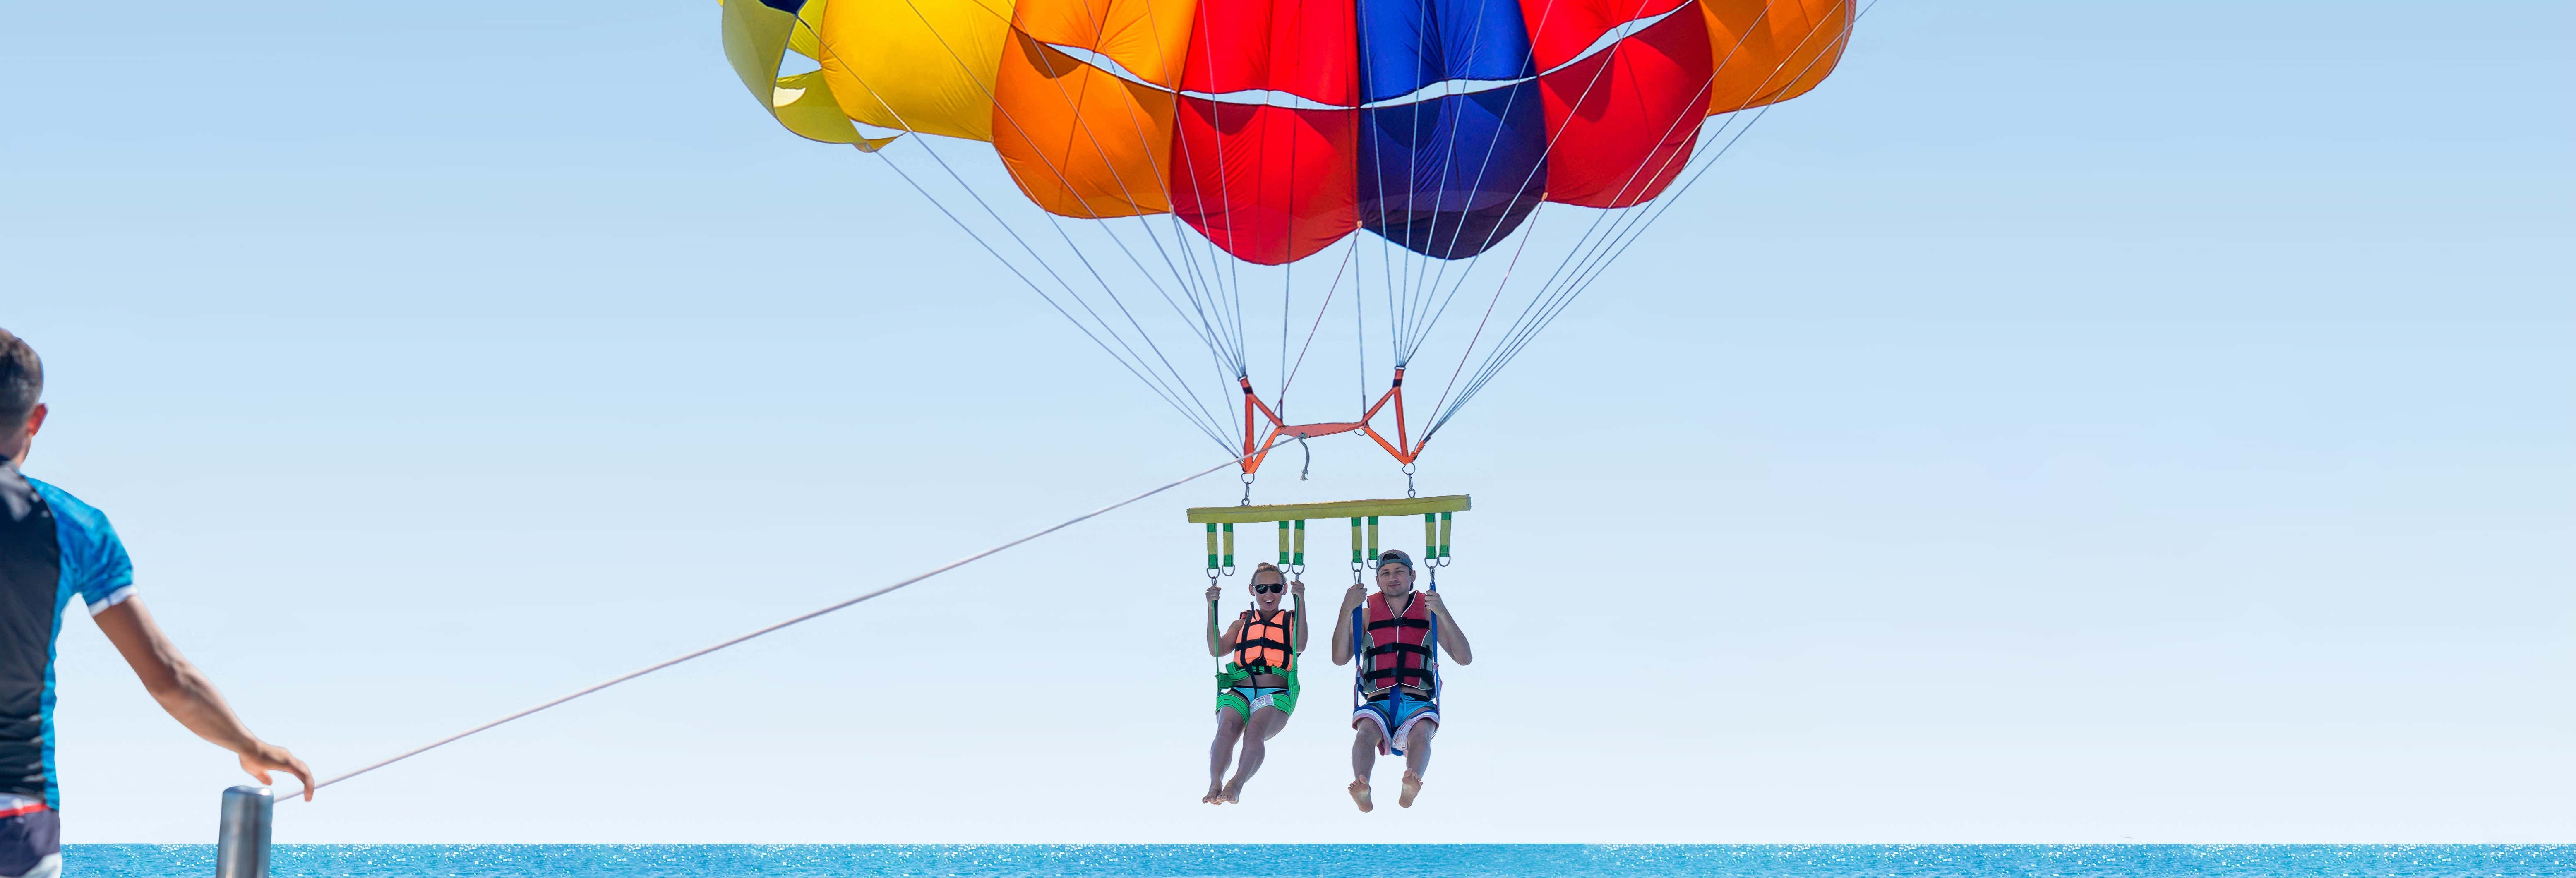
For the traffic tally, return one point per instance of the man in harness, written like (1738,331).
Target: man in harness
(1256,691)
(1397,634)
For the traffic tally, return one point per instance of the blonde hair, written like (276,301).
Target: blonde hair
(1267,567)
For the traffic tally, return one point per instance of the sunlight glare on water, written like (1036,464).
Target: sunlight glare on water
(1331,861)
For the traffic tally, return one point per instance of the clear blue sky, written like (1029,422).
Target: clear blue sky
(2072,423)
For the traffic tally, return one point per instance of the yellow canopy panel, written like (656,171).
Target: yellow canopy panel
(1336,509)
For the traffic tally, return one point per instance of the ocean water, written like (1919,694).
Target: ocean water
(1331,861)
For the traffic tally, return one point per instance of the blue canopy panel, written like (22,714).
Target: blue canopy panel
(1453,139)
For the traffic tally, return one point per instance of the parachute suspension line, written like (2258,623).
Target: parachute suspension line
(1133,368)
(1153,164)
(1287,279)
(1220,268)
(1417,264)
(1233,268)
(1408,332)
(1528,61)
(1558,302)
(1582,257)
(1139,367)
(1359,332)
(1499,286)
(1622,238)
(1637,225)
(1625,237)
(1549,149)
(1441,197)
(1538,302)
(1411,340)
(1200,325)
(1208,281)
(1395,340)
(1088,308)
(773,628)
(1529,230)
(1219,352)
(1310,336)
(1056,222)
(1387,260)
(1287,296)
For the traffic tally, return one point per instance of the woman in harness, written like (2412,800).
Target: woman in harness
(1397,634)
(1258,688)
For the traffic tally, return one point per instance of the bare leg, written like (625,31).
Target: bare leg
(1265,723)
(1364,759)
(1417,758)
(1229,727)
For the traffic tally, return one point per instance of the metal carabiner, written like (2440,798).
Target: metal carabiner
(1247,490)
(1408,478)
(1309,466)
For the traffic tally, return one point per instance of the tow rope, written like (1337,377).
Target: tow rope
(961,562)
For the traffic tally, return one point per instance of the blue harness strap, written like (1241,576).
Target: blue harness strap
(1432,662)
(1359,658)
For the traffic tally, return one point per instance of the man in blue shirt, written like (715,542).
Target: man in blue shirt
(53,548)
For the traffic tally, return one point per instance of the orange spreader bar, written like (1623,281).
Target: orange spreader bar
(1258,443)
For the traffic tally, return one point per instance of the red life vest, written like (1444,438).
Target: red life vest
(1399,646)
(1265,641)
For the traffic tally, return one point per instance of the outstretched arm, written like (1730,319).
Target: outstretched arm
(190,698)
(1212,593)
(1342,623)
(1297,634)
(1452,640)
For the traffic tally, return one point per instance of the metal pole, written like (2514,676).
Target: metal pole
(241,845)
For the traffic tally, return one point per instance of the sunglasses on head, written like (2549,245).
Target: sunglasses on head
(1269,588)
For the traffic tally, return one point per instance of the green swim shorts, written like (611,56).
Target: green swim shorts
(1235,692)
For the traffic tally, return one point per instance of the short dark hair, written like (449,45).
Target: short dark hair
(22,379)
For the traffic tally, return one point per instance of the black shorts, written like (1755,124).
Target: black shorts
(31,843)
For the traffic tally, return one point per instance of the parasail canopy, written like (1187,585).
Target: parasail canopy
(1235,135)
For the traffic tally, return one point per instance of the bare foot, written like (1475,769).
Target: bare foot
(1411,787)
(1360,794)
(1215,795)
(1232,794)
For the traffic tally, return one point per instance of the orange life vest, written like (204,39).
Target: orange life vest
(1399,645)
(1266,641)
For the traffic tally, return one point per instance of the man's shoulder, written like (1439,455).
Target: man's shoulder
(95,565)
(72,512)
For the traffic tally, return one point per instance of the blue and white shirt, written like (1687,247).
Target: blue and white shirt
(53,547)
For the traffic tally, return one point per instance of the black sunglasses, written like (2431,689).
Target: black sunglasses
(1272,588)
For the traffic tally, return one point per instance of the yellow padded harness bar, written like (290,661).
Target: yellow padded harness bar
(1336,509)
